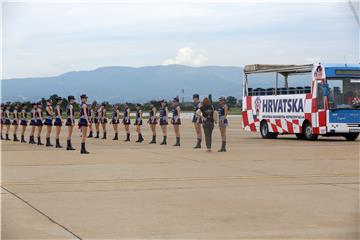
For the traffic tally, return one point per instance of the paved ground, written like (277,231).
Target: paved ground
(266,189)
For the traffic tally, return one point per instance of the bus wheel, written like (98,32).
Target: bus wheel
(351,136)
(307,130)
(299,135)
(265,133)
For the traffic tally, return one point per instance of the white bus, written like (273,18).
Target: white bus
(328,106)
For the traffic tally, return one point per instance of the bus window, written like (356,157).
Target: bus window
(344,93)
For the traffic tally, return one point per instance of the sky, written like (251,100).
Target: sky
(47,39)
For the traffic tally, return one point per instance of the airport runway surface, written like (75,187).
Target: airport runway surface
(264,189)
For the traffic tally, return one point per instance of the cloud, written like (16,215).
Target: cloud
(188,56)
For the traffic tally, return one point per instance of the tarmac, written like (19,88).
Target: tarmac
(260,189)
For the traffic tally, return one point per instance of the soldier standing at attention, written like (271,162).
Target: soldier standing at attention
(70,121)
(91,116)
(15,122)
(223,122)
(115,121)
(83,122)
(23,122)
(197,120)
(58,121)
(33,123)
(7,122)
(126,122)
(2,120)
(138,123)
(48,122)
(97,120)
(176,121)
(163,114)
(152,121)
(39,122)
(103,120)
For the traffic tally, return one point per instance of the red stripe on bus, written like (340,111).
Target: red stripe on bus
(248,103)
(290,127)
(274,128)
(245,118)
(322,118)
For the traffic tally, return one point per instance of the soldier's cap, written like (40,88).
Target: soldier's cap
(59,99)
(138,104)
(83,96)
(221,98)
(176,99)
(71,97)
(196,95)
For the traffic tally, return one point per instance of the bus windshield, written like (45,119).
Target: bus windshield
(344,93)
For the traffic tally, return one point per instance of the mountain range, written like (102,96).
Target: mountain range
(120,84)
(132,84)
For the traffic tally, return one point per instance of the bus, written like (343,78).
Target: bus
(328,106)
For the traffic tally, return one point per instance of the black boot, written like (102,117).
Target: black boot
(69,146)
(7,137)
(198,144)
(177,142)
(116,137)
(31,140)
(2,138)
(153,141)
(83,150)
(90,134)
(127,137)
(15,138)
(97,135)
(140,138)
(164,141)
(39,141)
(58,143)
(104,136)
(23,139)
(48,143)
(223,147)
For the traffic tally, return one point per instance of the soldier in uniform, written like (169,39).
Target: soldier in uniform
(7,122)
(152,121)
(223,122)
(163,115)
(103,120)
(33,122)
(39,122)
(175,120)
(48,121)
(197,121)
(83,122)
(58,121)
(115,121)
(70,121)
(138,123)
(126,122)
(23,121)
(15,122)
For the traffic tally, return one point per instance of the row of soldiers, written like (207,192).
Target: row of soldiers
(94,117)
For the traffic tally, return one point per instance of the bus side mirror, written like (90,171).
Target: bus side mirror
(325,89)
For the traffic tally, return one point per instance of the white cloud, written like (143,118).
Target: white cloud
(188,56)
